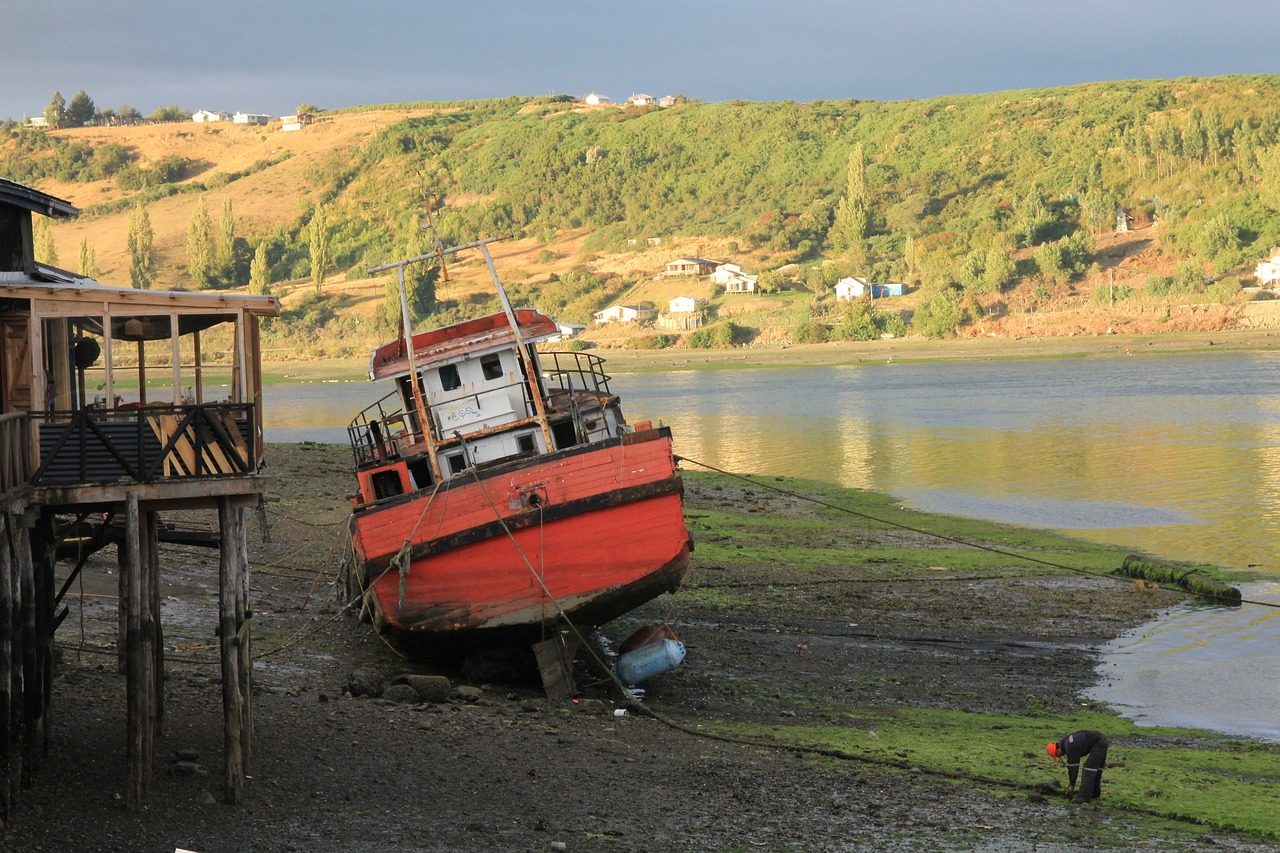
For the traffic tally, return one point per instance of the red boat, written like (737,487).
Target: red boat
(526,503)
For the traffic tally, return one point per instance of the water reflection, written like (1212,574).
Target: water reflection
(1174,455)
(1177,455)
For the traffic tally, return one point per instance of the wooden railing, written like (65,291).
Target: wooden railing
(145,444)
(16,460)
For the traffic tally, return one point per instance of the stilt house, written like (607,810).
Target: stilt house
(115,405)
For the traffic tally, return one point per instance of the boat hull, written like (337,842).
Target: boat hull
(502,555)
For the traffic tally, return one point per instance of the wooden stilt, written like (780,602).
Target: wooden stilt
(7,554)
(244,626)
(21,556)
(153,606)
(31,692)
(230,569)
(137,665)
(122,606)
(45,590)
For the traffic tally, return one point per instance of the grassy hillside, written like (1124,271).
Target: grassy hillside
(997,210)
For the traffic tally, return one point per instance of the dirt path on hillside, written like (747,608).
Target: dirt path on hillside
(498,767)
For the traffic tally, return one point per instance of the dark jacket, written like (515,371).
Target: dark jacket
(1077,745)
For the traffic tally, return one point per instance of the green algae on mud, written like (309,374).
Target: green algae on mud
(968,606)
(1173,774)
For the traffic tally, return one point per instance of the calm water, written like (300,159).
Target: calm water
(1175,455)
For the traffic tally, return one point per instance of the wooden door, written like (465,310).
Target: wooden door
(15,364)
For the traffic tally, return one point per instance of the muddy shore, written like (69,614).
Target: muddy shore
(496,766)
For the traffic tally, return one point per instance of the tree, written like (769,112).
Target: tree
(259,273)
(1000,270)
(200,246)
(80,111)
(304,109)
(142,270)
(227,239)
(55,113)
(1268,160)
(88,262)
(42,233)
(853,217)
(170,113)
(319,232)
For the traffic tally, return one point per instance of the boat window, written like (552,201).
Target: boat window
(526,442)
(449,379)
(457,463)
(492,366)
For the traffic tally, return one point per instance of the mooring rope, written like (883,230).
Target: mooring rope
(990,548)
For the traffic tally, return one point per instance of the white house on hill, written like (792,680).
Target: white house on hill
(624,314)
(209,116)
(852,288)
(250,118)
(595,99)
(683,305)
(1268,270)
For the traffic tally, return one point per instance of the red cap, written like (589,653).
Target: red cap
(1052,749)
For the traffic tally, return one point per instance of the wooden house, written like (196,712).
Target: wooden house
(691,266)
(251,118)
(115,405)
(624,314)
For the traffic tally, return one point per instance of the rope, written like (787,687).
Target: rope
(955,540)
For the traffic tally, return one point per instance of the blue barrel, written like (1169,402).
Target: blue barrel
(647,661)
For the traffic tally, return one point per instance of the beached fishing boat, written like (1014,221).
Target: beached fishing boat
(502,492)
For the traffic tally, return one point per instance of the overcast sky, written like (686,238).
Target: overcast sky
(268,56)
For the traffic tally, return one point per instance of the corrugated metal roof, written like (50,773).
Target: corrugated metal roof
(20,195)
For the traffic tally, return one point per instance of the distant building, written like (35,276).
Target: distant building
(297,122)
(683,305)
(624,314)
(203,116)
(691,266)
(568,331)
(1268,270)
(742,284)
(667,101)
(1124,221)
(37,121)
(595,99)
(642,100)
(726,273)
(853,287)
(251,118)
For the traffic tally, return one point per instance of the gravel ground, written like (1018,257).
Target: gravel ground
(498,767)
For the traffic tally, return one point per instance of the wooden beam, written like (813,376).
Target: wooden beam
(230,568)
(135,774)
(7,552)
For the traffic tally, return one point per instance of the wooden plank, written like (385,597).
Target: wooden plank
(232,704)
(30,678)
(135,784)
(6,663)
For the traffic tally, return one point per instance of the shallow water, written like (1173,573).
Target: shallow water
(1200,667)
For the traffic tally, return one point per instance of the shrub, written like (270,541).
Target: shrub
(719,336)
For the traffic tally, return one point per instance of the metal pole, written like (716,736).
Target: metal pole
(424,425)
(530,369)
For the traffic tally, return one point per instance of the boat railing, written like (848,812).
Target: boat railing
(376,432)
(574,371)
(144,444)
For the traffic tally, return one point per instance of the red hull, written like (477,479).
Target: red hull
(591,532)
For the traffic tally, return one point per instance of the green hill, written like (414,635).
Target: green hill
(998,211)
